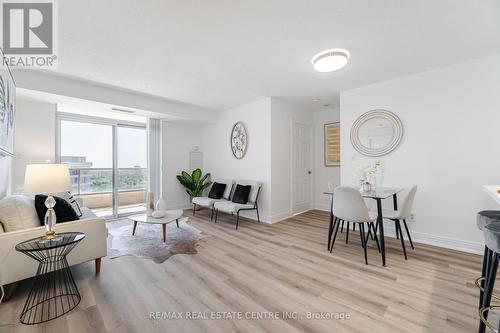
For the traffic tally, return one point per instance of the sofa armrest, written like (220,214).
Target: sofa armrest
(15,266)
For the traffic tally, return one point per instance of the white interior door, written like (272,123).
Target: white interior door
(301,167)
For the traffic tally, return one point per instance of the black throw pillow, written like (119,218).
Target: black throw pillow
(64,211)
(217,191)
(241,193)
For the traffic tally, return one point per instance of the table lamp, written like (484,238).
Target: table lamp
(47,179)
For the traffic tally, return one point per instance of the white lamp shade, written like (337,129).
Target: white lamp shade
(46,178)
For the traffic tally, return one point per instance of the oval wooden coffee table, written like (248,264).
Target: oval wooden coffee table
(171,216)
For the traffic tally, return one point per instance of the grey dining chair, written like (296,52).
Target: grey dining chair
(350,207)
(401,215)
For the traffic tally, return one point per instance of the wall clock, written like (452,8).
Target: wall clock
(239,140)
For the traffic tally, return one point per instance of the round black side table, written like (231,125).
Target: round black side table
(54,292)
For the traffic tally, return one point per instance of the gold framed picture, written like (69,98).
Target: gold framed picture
(332,144)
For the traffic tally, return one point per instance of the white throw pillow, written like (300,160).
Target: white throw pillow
(18,212)
(72,201)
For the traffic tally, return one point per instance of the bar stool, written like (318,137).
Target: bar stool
(489,222)
(484,218)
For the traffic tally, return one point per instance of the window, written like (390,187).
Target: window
(108,164)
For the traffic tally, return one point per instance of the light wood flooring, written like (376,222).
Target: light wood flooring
(277,268)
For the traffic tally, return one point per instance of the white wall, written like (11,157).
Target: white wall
(323,174)
(35,137)
(450,146)
(282,115)
(177,141)
(256,165)
(5,175)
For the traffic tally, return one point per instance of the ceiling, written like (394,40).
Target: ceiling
(223,53)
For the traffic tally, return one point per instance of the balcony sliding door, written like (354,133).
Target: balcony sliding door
(107,164)
(132,171)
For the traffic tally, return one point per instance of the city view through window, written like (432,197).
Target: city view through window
(87,148)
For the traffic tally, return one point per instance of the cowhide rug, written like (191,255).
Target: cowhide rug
(148,240)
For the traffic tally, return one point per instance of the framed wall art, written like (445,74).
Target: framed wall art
(332,144)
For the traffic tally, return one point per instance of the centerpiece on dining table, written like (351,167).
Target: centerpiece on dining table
(370,176)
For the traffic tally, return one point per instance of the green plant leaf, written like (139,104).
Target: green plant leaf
(204,178)
(196,176)
(186,176)
(195,183)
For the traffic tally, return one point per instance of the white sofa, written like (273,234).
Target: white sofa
(227,206)
(15,266)
(209,202)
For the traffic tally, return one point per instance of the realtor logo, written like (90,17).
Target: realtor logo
(29,33)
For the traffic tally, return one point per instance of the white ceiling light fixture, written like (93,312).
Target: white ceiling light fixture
(330,60)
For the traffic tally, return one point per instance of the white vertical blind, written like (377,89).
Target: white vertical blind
(154,156)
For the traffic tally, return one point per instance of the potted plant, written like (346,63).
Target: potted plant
(195,183)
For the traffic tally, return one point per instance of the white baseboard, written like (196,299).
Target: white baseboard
(322,207)
(440,241)
(281,216)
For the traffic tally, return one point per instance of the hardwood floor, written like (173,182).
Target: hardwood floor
(276,268)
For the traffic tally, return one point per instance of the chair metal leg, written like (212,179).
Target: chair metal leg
(335,235)
(258,217)
(216,214)
(237,219)
(397,231)
(370,231)
(488,288)
(398,228)
(408,233)
(363,243)
(486,256)
(347,234)
(212,214)
(353,226)
(342,229)
(194,208)
(370,227)
(331,226)
(376,237)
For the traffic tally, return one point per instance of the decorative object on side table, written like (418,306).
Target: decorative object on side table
(161,205)
(47,178)
(332,144)
(195,183)
(158,214)
(150,203)
(54,291)
(239,140)
(370,176)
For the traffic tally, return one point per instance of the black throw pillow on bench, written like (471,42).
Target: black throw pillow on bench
(64,211)
(241,194)
(217,191)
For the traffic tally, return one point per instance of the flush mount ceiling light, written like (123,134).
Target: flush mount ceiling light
(330,60)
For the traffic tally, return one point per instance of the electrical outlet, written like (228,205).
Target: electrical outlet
(412,217)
